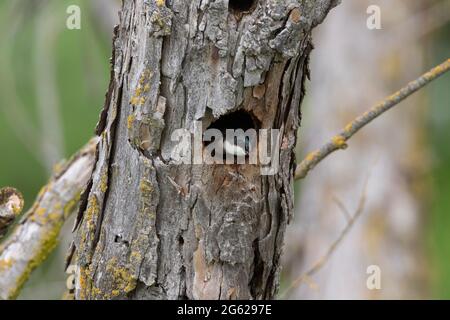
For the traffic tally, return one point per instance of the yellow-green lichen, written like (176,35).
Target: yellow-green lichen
(45,216)
(146,187)
(83,283)
(71,205)
(339,142)
(96,293)
(53,216)
(104,180)
(311,156)
(115,293)
(130,120)
(45,247)
(123,281)
(39,215)
(348,128)
(6,264)
(59,167)
(147,190)
(92,211)
(52,221)
(143,86)
(135,258)
(134,101)
(88,229)
(138,91)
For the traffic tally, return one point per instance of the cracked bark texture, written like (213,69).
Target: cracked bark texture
(150,228)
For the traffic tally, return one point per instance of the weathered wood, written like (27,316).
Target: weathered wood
(36,234)
(150,228)
(11,204)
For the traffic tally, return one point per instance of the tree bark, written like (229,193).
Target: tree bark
(150,228)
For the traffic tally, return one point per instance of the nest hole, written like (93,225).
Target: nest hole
(236,120)
(242,5)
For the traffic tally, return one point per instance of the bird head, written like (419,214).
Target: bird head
(237,145)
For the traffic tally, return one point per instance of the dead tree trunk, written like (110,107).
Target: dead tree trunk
(150,228)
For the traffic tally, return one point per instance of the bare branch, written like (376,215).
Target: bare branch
(340,141)
(306,277)
(11,205)
(343,209)
(36,235)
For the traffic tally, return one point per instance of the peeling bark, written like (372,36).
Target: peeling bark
(150,228)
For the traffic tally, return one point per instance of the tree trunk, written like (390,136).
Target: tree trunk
(150,228)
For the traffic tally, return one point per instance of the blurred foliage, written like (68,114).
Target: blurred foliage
(81,64)
(439,134)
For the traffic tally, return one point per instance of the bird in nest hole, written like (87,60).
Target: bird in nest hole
(238,146)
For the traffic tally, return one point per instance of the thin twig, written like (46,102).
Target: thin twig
(343,208)
(340,141)
(306,277)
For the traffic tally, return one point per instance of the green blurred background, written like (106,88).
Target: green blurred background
(52,86)
(439,140)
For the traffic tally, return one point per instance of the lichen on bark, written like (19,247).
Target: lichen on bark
(193,231)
